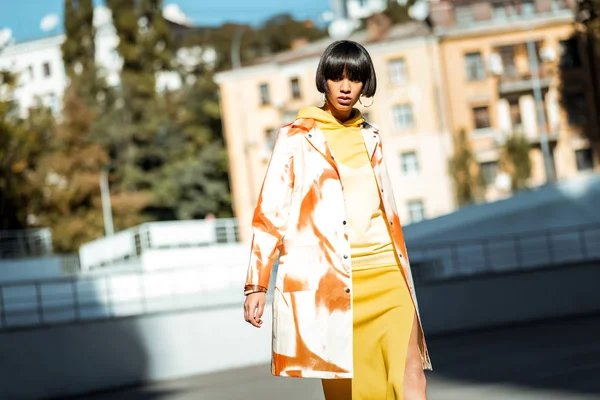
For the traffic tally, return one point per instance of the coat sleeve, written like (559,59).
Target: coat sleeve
(271,214)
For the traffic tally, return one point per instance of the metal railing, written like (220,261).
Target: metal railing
(25,243)
(504,253)
(128,293)
(128,245)
(121,294)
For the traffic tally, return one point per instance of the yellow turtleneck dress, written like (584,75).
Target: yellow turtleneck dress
(383,310)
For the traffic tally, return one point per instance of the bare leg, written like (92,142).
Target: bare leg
(337,389)
(414,377)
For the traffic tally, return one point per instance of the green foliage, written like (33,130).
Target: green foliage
(21,143)
(69,175)
(79,48)
(166,150)
(515,161)
(464,170)
(274,35)
(398,13)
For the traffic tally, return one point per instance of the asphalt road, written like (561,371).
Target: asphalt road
(550,360)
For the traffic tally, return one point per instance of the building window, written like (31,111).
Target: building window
(397,69)
(515,115)
(584,159)
(403,117)
(270,138)
(464,15)
(507,54)
(296,94)
(500,13)
(527,8)
(264,94)
(30,70)
(474,65)
(46,68)
(481,116)
(53,103)
(489,172)
(416,210)
(410,163)
(558,5)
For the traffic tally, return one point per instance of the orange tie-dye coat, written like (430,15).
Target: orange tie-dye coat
(300,213)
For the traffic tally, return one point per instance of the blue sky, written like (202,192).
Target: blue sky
(24,16)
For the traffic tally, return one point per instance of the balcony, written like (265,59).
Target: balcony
(521,83)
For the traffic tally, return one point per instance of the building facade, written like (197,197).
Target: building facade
(491,51)
(41,74)
(408,108)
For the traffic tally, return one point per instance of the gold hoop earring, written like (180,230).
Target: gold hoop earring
(372,101)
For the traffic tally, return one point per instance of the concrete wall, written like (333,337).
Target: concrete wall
(28,269)
(61,360)
(486,301)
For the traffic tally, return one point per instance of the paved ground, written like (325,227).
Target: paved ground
(553,360)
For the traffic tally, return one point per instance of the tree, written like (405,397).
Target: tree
(79,49)
(21,143)
(464,170)
(580,74)
(194,183)
(279,32)
(69,176)
(515,161)
(398,13)
(132,130)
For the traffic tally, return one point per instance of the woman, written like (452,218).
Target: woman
(344,305)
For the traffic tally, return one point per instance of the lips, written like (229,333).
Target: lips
(344,100)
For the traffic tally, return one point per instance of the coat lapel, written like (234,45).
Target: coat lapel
(371,138)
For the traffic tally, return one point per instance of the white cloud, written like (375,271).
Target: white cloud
(5,37)
(173,13)
(49,22)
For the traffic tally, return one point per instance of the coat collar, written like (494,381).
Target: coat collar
(317,139)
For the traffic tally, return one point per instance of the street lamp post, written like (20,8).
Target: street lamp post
(541,116)
(106,205)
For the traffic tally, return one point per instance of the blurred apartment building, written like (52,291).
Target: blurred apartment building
(41,74)
(466,67)
(408,108)
(488,72)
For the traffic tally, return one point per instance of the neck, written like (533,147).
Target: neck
(341,116)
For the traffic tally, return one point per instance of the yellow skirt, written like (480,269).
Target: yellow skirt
(383,314)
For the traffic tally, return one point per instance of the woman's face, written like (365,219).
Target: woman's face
(343,94)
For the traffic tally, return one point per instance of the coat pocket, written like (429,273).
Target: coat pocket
(300,268)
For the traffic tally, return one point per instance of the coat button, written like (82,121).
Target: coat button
(309,135)
(347,290)
(345,255)
(381,190)
(344,222)
(391,222)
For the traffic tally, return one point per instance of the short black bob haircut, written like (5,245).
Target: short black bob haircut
(347,58)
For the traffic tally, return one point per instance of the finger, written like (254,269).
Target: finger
(253,318)
(259,311)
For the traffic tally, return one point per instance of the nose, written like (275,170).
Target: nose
(345,87)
